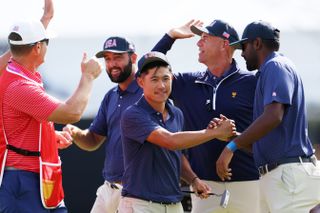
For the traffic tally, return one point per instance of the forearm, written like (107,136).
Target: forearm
(164,45)
(86,140)
(72,110)
(258,129)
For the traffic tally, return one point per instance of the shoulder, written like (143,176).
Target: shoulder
(189,75)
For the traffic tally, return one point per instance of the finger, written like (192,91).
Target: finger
(190,22)
(84,57)
(223,117)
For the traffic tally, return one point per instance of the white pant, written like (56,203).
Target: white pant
(107,200)
(244,198)
(291,188)
(134,205)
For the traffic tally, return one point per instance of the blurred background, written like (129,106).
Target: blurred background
(83,26)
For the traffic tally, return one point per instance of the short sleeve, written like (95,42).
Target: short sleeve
(31,99)
(137,125)
(277,84)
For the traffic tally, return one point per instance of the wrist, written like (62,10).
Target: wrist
(193,180)
(232,146)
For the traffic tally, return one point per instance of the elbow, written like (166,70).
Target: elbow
(172,145)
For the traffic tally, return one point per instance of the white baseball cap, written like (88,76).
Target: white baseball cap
(31,31)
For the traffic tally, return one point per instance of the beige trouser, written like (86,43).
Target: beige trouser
(107,199)
(244,198)
(133,205)
(290,188)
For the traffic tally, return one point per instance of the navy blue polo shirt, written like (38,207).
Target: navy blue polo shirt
(280,83)
(201,97)
(107,123)
(151,172)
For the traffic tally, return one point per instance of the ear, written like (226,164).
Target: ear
(257,44)
(134,58)
(37,48)
(140,81)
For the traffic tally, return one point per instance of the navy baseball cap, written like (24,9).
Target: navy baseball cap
(218,28)
(116,45)
(258,29)
(151,57)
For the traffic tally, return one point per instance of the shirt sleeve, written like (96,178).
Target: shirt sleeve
(137,125)
(278,84)
(31,99)
(99,124)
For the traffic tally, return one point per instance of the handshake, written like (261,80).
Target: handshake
(224,128)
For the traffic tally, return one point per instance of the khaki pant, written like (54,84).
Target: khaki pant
(133,205)
(107,200)
(290,188)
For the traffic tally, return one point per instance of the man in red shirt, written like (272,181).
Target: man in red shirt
(28,142)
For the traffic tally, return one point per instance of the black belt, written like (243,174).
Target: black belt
(22,151)
(151,201)
(271,166)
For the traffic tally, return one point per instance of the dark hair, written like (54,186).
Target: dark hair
(271,44)
(18,50)
(152,65)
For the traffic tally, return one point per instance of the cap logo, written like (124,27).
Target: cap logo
(150,54)
(15,28)
(110,43)
(225,34)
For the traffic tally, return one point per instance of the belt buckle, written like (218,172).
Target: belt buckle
(263,169)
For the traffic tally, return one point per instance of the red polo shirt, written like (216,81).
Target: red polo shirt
(25,104)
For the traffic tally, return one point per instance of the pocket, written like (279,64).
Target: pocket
(288,179)
(51,189)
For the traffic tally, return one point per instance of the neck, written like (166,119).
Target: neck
(157,106)
(27,63)
(124,85)
(220,66)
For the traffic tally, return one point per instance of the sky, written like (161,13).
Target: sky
(147,17)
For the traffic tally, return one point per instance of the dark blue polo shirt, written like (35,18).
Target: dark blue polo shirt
(151,172)
(107,123)
(279,82)
(201,97)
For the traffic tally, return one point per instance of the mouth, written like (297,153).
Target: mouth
(115,72)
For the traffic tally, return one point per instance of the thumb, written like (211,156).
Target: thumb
(84,57)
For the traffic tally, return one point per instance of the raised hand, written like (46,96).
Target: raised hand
(91,67)
(48,12)
(184,30)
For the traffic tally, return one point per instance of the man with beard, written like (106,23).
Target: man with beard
(289,174)
(120,59)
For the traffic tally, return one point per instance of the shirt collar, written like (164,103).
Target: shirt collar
(18,68)
(209,77)
(132,88)
(146,106)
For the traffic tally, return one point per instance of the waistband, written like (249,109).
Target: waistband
(166,203)
(271,166)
